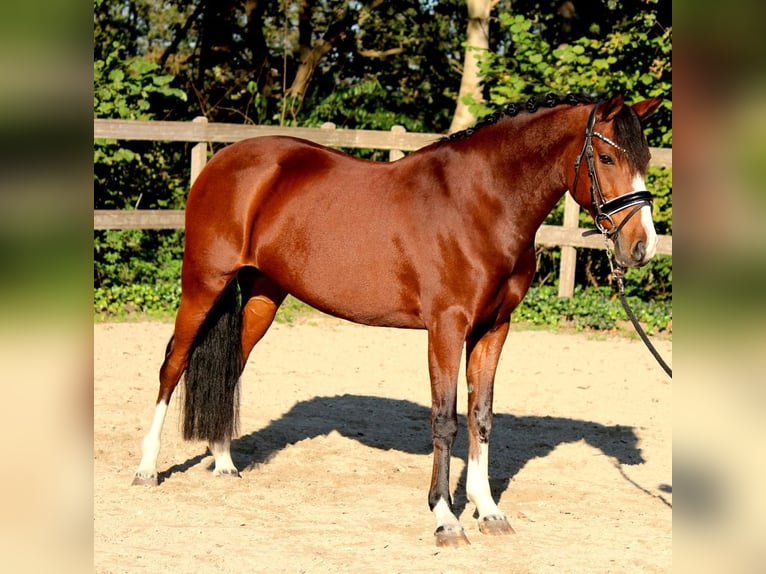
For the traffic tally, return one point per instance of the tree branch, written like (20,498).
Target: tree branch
(380,54)
(179,33)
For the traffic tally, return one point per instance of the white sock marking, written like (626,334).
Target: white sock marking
(477,484)
(444,516)
(222,454)
(150,447)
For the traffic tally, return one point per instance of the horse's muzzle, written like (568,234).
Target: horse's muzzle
(640,250)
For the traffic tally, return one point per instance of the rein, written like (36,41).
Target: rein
(618,272)
(604,210)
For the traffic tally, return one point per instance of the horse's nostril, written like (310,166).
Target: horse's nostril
(639,251)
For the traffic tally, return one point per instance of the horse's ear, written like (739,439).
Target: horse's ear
(609,109)
(646,108)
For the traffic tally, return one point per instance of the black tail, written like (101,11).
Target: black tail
(211,404)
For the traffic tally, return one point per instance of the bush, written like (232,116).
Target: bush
(596,308)
(136,271)
(158,300)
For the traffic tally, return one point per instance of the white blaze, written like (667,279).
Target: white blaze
(646,221)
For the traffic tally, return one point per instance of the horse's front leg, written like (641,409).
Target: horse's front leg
(445,346)
(482,356)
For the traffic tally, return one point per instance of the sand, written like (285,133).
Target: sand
(335,458)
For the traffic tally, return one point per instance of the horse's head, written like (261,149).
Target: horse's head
(609,178)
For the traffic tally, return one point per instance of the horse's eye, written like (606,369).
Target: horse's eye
(606,159)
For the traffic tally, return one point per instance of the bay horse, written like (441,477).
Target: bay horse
(441,240)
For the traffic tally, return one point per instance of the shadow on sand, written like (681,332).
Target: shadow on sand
(392,424)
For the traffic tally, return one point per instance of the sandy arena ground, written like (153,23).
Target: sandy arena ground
(335,457)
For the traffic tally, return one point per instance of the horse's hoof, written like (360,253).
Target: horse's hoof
(231,472)
(145,479)
(495,526)
(451,537)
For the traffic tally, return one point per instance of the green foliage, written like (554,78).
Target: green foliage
(124,87)
(634,58)
(395,65)
(137,256)
(136,270)
(396,62)
(360,104)
(594,309)
(125,172)
(660,181)
(293,310)
(158,300)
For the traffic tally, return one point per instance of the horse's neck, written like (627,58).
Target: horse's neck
(528,158)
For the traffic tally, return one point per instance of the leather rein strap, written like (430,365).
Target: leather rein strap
(618,273)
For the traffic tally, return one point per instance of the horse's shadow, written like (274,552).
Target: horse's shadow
(403,425)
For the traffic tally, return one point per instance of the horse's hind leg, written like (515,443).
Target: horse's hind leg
(261,299)
(482,355)
(191,314)
(146,474)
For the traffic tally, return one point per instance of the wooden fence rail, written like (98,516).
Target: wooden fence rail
(397,141)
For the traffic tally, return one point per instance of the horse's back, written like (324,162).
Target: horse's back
(332,230)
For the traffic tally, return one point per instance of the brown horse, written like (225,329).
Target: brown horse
(441,240)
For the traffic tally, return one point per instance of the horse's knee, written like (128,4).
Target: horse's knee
(481,422)
(444,426)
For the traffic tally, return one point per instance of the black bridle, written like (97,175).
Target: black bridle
(606,209)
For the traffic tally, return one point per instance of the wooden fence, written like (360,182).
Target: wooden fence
(568,236)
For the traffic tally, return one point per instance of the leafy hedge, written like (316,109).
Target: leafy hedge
(589,309)
(596,308)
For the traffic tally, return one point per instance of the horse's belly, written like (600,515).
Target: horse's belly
(363,291)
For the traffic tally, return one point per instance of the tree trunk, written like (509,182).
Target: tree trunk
(255,40)
(477,42)
(308,55)
(311,54)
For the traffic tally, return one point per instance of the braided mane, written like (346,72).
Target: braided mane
(511,110)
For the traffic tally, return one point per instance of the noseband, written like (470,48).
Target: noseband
(606,209)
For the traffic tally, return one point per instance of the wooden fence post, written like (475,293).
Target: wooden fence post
(568,253)
(198,153)
(395,154)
